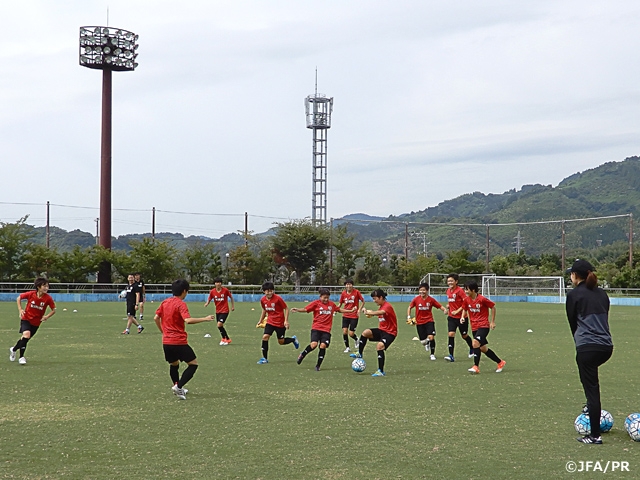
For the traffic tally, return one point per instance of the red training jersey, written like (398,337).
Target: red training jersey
(478,309)
(350,300)
(423,308)
(220,298)
(456,299)
(388,322)
(36,306)
(322,314)
(275,309)
(173,312)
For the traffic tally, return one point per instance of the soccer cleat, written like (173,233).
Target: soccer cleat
(590,439)
(126,331)
(449,358)
(300,358)
(228,340)
(475,369)
(223,342)
(347,350)
(378,373)
(262,361)
(317,368)
(179,392)
(22,361)
(585,409)
(12,355)
(433,357)
(356,355)
(140,328)
(296,343)
(500,366)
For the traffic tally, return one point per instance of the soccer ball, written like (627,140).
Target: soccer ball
(358,365)
(606,421)
(634,430)
(629,419)
(123,294)
(582,423)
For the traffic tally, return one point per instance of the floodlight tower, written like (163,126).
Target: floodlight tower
(319,108)
(108,49)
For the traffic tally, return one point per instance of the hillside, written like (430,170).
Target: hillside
(610,189)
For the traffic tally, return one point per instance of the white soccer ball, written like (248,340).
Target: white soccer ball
(629,419)
(123,294)
(606,421)
(358,365)
(582,424)
(634,430)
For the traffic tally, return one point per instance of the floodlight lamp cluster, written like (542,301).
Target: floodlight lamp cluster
(108,48)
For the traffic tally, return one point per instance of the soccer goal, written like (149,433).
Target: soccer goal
(553,287)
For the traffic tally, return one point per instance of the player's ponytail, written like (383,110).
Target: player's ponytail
(591,281)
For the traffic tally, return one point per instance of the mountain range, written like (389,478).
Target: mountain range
(611,189)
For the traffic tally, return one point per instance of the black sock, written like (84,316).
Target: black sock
(174,373)
(18,345)
(287,341)
(361,343)
(223,332)
(381,360)
(306,351)
(433,346)
(23,347)
(468,340)
(452,343)
(492,355)
(265,348)
(476,356)
(321,352)
(354,337)
(187,375)
(345,337)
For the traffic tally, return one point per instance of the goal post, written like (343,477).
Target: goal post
(495,285)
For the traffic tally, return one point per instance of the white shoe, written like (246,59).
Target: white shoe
(433,357)
(222,342)
(22,361)
(347,350)
(12,355)
(179,392)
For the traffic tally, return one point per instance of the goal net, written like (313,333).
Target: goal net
(553,287)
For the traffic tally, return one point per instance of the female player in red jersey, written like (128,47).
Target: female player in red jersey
(275,310)
(32,316)
(221,296)
(323,310)
(386,332)
(478,308)
(425,325)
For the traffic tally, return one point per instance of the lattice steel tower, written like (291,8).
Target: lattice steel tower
(319,108)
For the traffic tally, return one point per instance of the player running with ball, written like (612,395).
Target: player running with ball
(478,308)
(425,325)
(386,332)
(323,310)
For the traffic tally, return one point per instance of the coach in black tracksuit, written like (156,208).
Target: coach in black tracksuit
(588,314)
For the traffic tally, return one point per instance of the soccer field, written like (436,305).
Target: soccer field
(92,403)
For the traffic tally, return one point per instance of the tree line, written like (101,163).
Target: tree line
(298,253)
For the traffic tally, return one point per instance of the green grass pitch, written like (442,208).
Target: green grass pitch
(92,403)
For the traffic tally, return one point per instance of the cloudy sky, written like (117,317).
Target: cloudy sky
(432,100)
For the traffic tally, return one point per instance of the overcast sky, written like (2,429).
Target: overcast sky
(432,99)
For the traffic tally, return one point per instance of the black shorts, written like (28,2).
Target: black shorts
(173,353)
(426,329)
(481,335)
(25,326)
(350,323)
(454,324)
(222,317)
(381,336)
(280,331)
(131,309)
(320,337)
